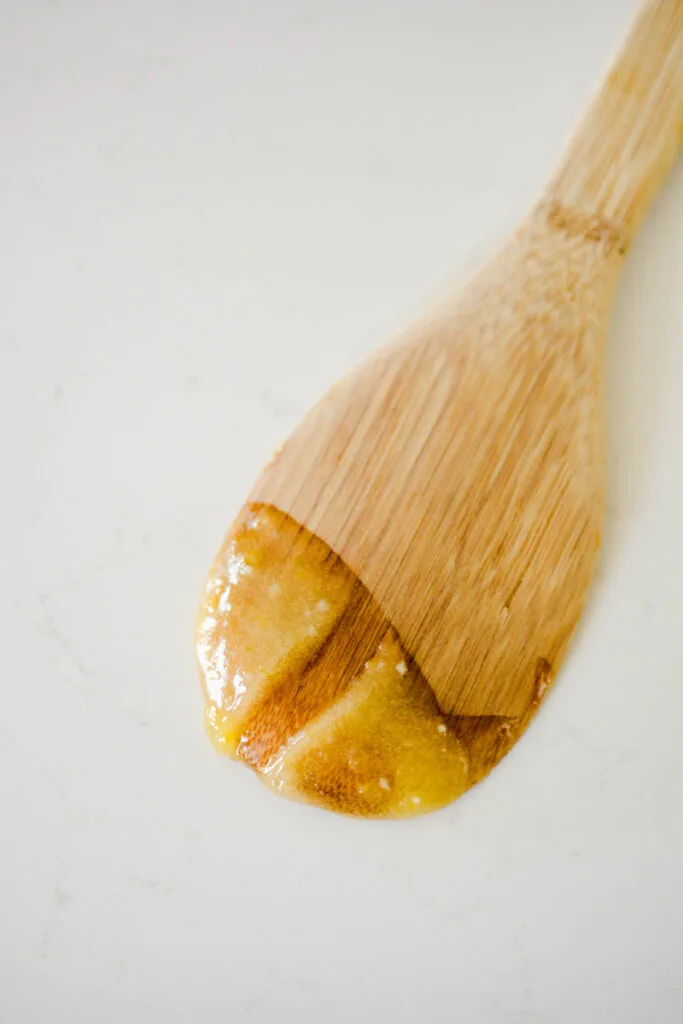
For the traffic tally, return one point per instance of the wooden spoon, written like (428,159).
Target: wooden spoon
(460,472)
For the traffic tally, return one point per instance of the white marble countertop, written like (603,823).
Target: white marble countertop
(207,212)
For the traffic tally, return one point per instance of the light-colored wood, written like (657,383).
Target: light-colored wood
(631,134)
(460,471)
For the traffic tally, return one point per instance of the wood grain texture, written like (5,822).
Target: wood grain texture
(460,471)
(631,133)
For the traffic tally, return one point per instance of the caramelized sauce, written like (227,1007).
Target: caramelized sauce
(306,682)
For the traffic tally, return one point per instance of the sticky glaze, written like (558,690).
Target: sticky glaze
(307,683)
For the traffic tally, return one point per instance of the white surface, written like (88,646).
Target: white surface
(207,212)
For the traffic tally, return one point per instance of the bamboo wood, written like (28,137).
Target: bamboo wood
(460,471)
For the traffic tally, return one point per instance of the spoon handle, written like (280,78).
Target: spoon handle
(631,133)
